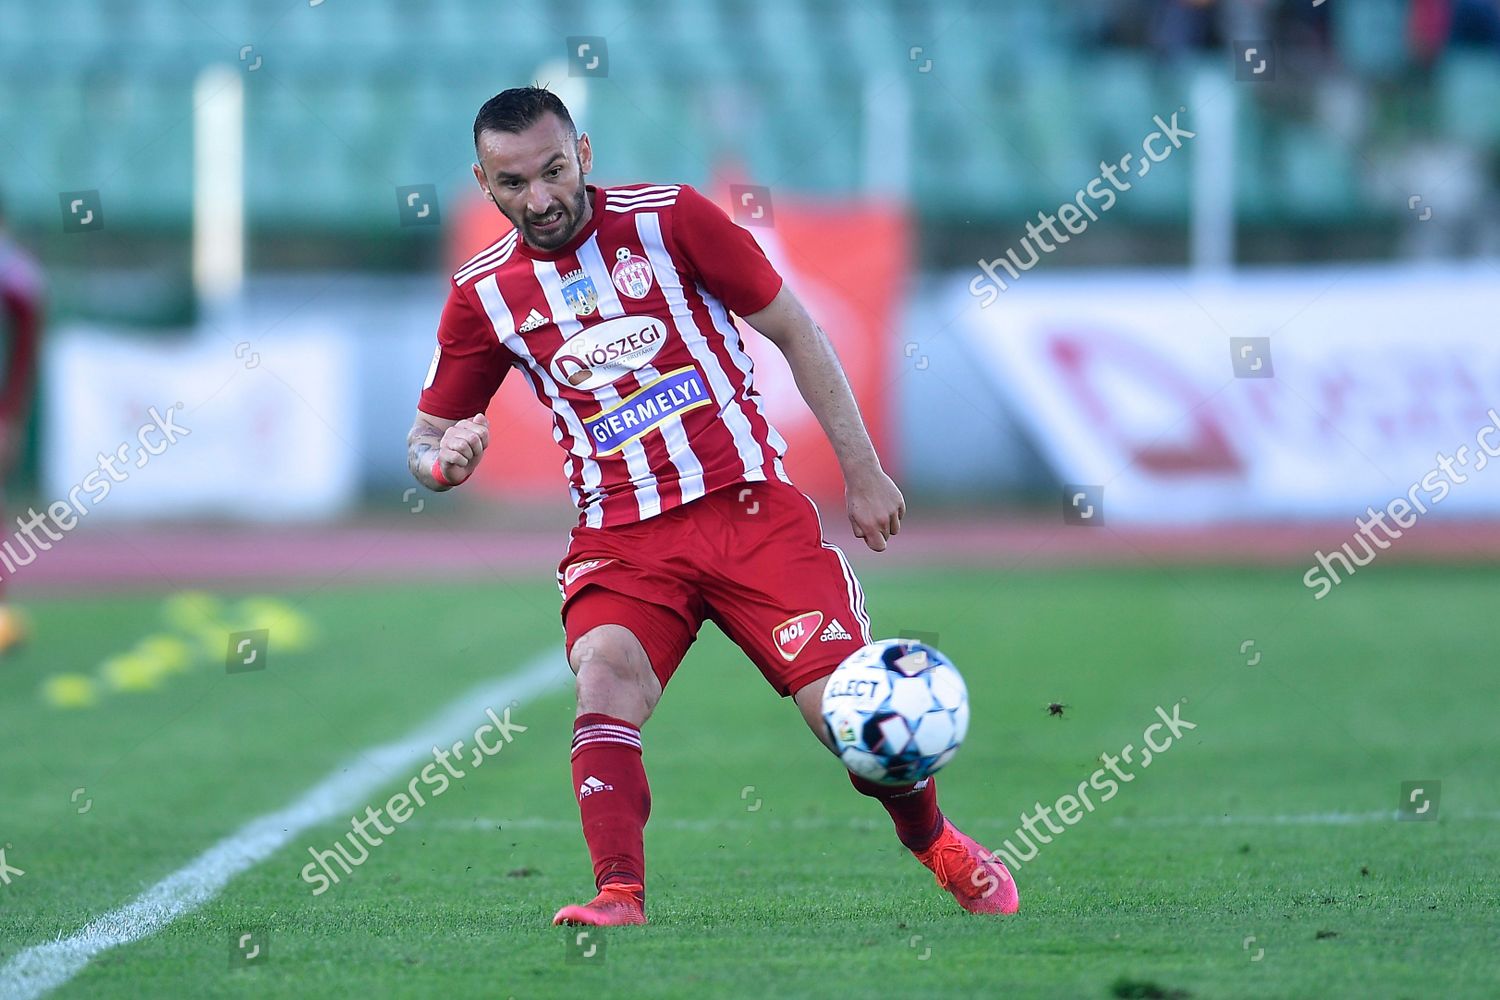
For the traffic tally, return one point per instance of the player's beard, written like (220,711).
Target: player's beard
(573,219)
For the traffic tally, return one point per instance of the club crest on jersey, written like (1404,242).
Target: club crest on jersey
(795,633)
(601,353)
(579,293)
(631,274)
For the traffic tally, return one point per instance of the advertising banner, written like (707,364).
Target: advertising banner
(138,428)
(1311,393)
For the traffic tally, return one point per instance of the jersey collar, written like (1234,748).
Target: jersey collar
(596,196)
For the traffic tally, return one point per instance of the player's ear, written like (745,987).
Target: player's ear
(483,184)
(585,154)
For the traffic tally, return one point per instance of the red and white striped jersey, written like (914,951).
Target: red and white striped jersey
(625,334)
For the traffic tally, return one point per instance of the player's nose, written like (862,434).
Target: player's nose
(538,200)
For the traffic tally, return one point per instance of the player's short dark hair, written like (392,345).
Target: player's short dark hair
(518,109)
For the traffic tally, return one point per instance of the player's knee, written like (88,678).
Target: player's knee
(614,674)
(607,651)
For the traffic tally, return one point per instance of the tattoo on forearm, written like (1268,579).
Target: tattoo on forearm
(421,444)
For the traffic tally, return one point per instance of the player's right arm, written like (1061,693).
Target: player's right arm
(450,432)
(442,453)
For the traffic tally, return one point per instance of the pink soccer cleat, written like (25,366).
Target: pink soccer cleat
(977,879)
(618,904)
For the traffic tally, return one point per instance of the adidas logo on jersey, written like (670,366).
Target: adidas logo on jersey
(834,631)
(532,321)
(591,785)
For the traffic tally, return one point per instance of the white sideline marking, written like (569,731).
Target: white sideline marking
(44,967)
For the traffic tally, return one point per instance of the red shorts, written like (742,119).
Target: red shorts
(750,558)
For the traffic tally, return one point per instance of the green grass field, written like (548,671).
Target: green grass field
(1259,857)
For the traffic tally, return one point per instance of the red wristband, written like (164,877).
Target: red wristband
(437,473)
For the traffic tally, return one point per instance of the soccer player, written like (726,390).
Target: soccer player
(21,309)
(616,306)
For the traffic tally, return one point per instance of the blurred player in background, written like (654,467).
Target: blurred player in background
(615,307)
(21,293)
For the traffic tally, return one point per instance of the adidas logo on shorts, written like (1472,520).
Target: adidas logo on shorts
(834,631)
(591,785)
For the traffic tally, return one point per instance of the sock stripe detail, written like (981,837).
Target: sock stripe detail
(603,742)
(579,741)
(618,735)
(608,727)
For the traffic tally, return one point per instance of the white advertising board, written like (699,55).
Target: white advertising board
(144,428)
(1367,378)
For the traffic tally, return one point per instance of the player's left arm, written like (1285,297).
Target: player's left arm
(875,504)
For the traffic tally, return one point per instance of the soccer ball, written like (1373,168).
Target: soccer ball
(897,711)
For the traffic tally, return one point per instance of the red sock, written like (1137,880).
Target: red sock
(614,800)
(913,809)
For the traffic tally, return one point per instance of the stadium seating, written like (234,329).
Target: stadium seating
(1013,113)
(1469,95)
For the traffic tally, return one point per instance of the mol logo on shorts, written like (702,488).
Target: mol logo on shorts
(575,570)
(795,633)
(605,351)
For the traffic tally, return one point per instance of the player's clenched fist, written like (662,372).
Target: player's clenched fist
(461,448)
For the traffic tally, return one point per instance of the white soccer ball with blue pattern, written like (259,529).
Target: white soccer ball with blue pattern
(897,711)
